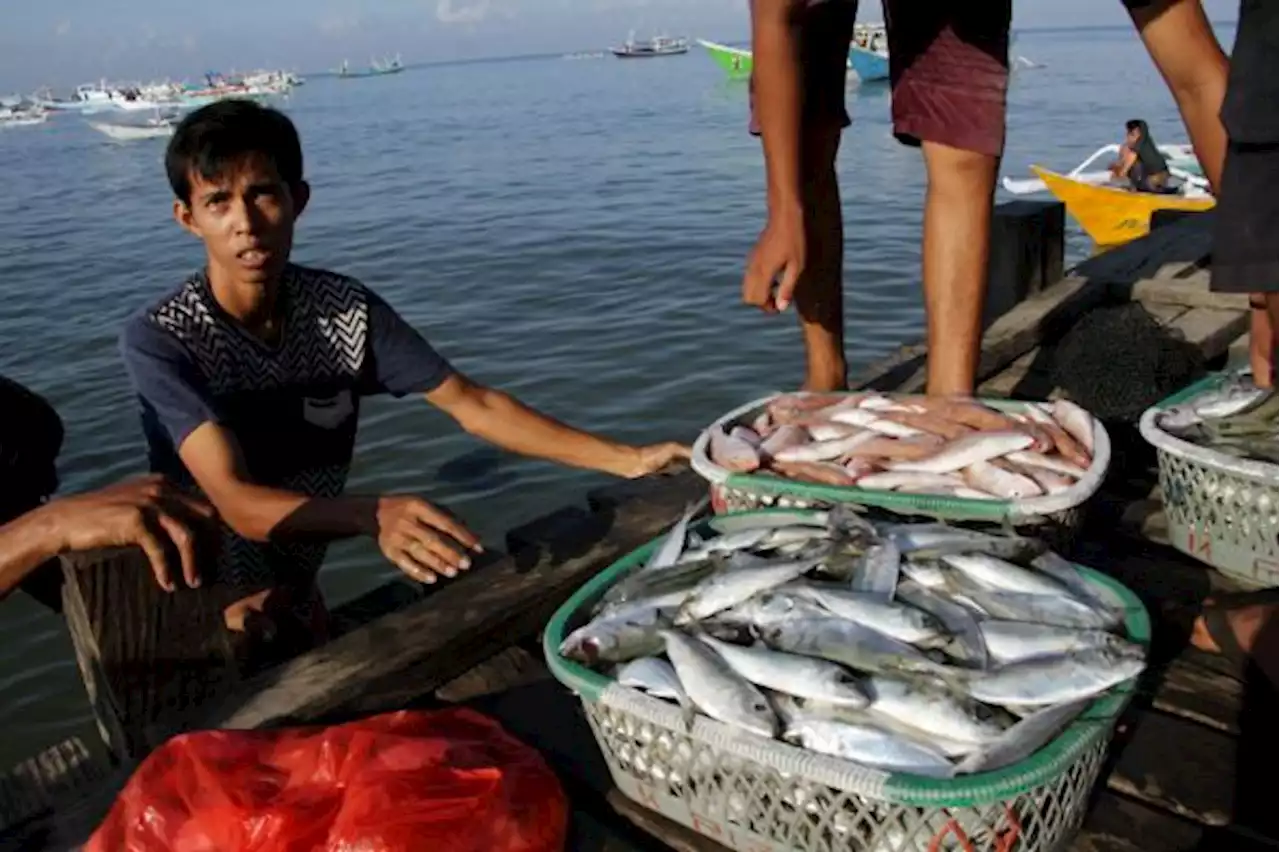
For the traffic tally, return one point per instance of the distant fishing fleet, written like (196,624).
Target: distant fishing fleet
(127,111)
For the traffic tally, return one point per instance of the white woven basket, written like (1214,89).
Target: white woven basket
(1220,509)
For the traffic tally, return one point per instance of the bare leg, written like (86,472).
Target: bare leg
(819,296)
(1182,45)
(957,244)
(1262,339)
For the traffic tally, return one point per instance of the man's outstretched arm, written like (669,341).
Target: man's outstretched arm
(502,420)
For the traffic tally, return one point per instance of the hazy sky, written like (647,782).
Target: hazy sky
(64,42)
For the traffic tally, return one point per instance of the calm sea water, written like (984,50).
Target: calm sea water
(571,231)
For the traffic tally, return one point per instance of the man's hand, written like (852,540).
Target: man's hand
(422,540)
(779,255)
(147,512)
(653,458)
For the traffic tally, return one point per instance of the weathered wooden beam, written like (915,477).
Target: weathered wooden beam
(1197,768)
(1119,824)
(1191,291)
(143,653)
(1192,691)
(422,647)
(30,789)
(1211,329)
(1165,252)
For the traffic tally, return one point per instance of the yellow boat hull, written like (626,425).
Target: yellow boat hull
(1109,215)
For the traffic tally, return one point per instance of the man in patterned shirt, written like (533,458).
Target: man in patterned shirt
(250,375)
(949,69)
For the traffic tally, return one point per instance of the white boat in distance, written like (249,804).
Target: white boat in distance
(155,128)
(22,116)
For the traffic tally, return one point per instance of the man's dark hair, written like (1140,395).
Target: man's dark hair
(1133,124)
(220,136)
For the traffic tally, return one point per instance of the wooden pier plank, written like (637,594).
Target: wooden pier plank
(31,788)
(1191,292)
(419,648)
(1211,329)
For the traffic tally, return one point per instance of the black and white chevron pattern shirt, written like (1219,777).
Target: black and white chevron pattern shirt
(293,407)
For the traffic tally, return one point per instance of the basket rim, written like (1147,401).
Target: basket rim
(954,508)
(1262,473)
(967,790)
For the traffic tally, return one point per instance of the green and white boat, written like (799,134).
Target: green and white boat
(735,61)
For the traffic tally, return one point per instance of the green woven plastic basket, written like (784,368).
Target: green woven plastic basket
(1220,509)
(744,492)
(751,793)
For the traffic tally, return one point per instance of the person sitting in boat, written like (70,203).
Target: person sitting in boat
(250,374)
(35,527)
(1140,160)
(949,66)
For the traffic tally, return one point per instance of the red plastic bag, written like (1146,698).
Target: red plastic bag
(401,782)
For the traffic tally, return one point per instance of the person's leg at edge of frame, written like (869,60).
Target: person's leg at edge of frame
(1181,42)
(949,71)
(956,247)
(819,295)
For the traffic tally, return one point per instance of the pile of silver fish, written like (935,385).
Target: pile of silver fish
(1236,417)
(912,444)
(911,647)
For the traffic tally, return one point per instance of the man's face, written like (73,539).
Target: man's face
(245,218)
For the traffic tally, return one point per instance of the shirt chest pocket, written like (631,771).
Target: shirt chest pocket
(328,412)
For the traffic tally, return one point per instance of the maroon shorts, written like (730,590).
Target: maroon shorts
(948,66)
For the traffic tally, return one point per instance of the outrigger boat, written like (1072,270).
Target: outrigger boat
(1112,214)
(868,55)
(735,61)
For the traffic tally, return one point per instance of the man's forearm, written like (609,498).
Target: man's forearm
(25,544)
(776,73)
(259,513)
(508,423)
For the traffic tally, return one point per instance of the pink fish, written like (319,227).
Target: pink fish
(745,434)
(1066,446)
(1050,463)
(996,480)
(962,452)
(732,453)
(1077,422)
(824,450)
(784,436)
(882,447)
(822,473)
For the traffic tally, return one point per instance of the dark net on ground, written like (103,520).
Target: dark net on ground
(1118,361)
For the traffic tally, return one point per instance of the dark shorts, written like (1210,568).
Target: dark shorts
(1245,247)
(948,65)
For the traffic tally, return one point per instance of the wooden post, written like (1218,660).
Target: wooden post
(144,653)
(1026,253)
